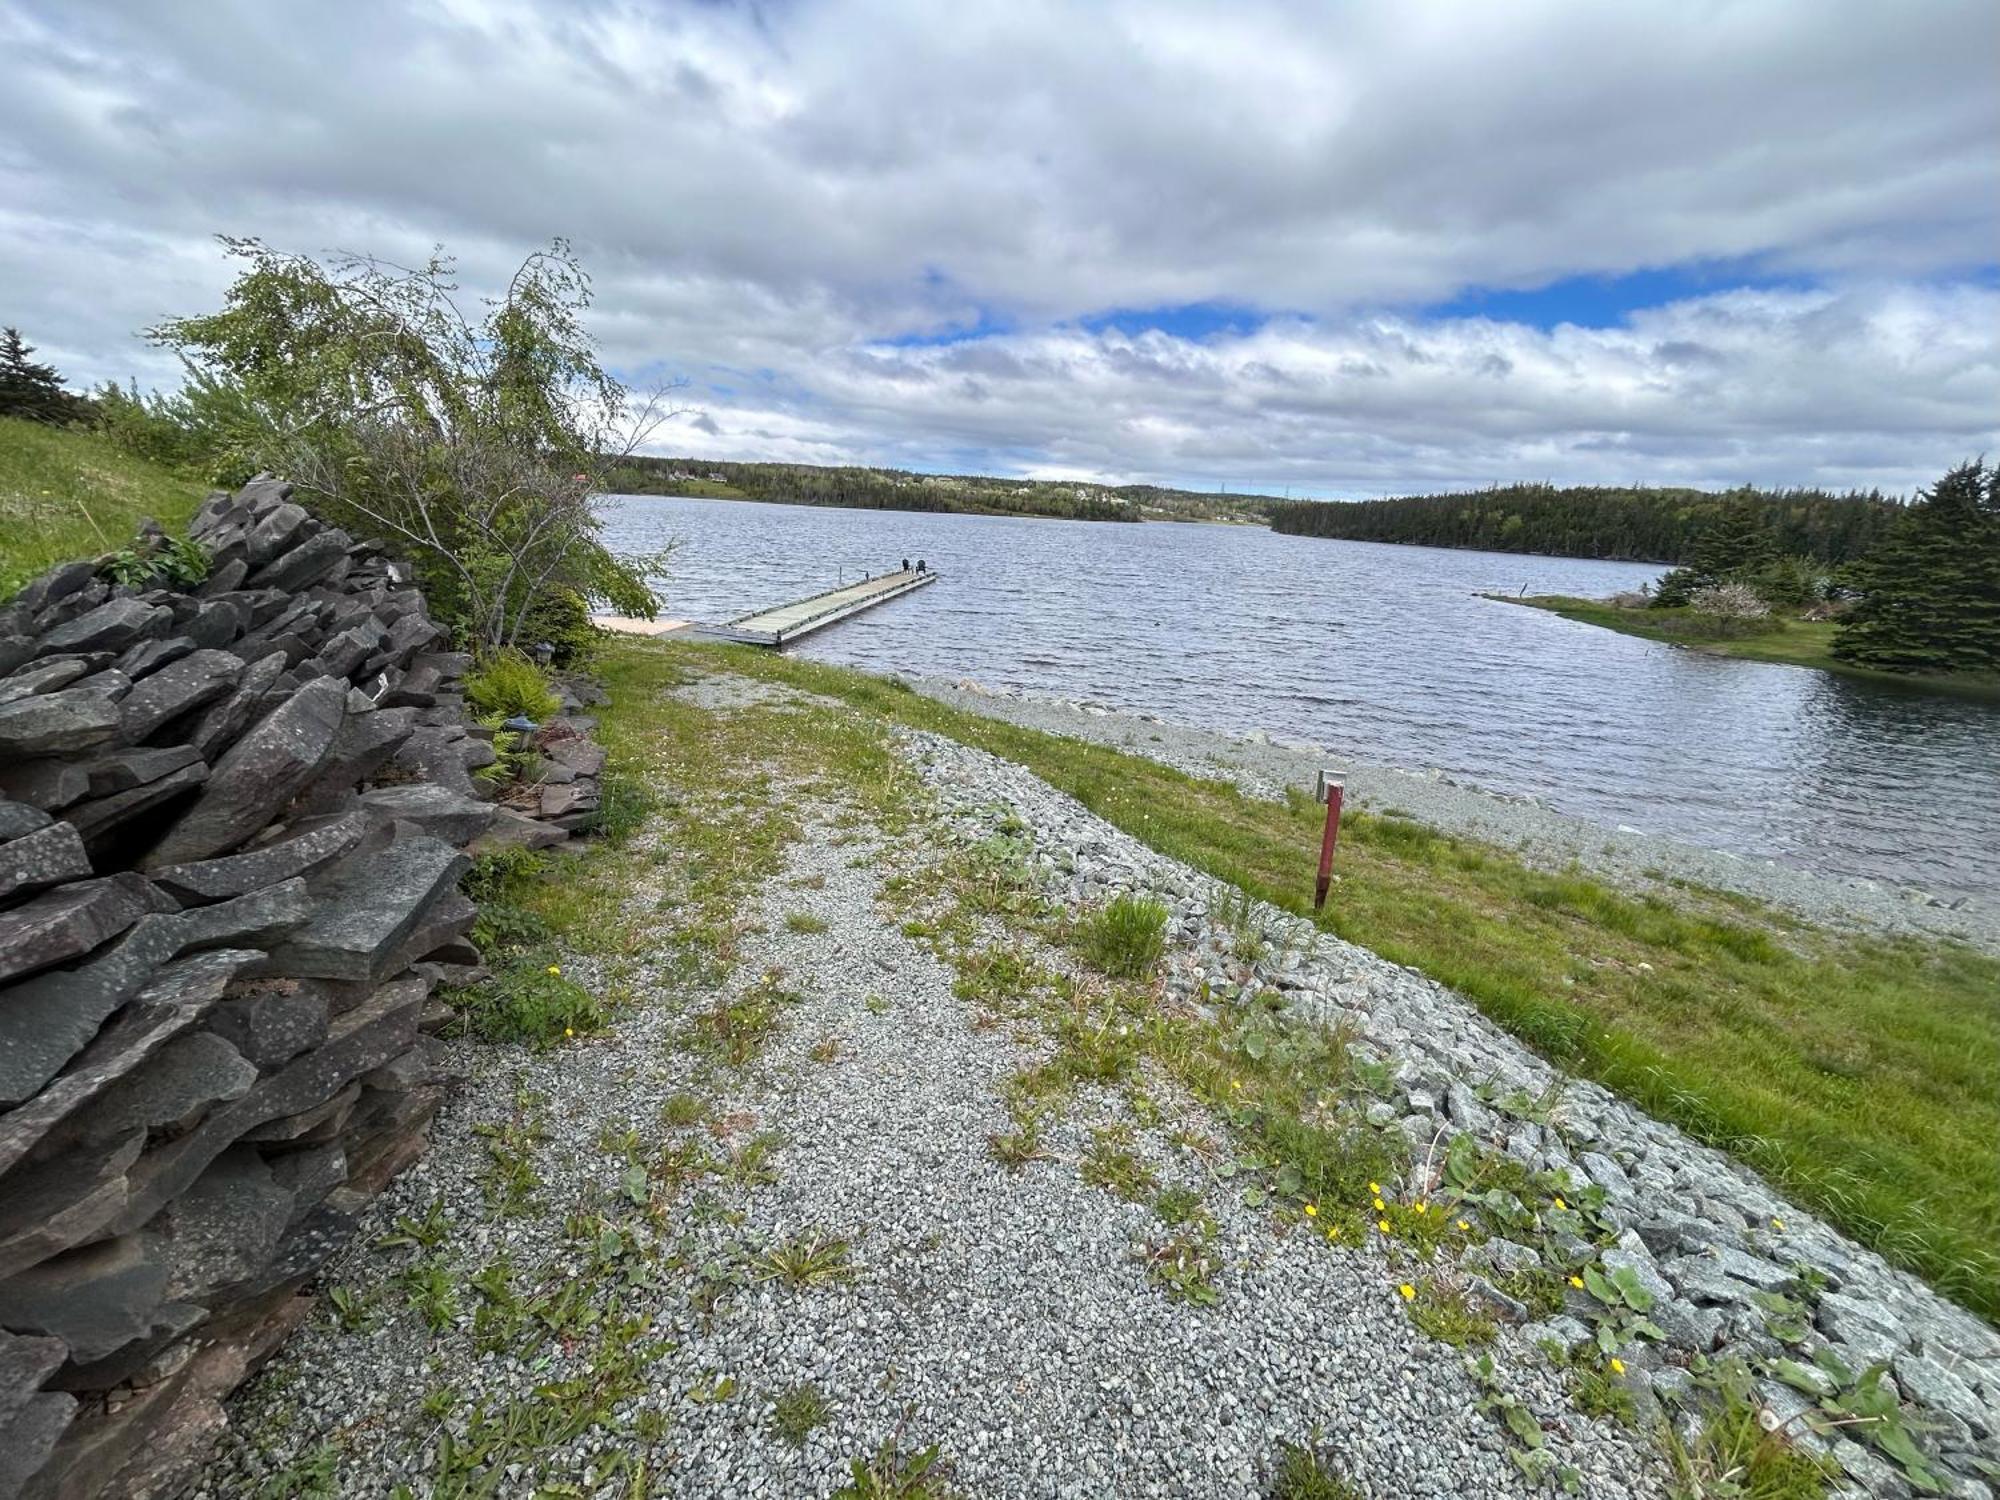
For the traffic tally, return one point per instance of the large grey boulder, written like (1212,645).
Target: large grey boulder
(48,856)
(178,688)
(364,909)
(300,854)
(55,723)
(257,776)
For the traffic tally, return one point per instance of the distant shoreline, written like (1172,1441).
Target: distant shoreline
(1790,643)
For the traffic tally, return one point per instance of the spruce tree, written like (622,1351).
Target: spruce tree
(1931,589)
(1736,543)
(30,389)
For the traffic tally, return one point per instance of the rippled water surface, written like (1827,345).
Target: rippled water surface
(1383,652)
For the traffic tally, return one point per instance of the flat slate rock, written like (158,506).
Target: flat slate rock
(175,1000)
(24,1364)
(273,1026)
(226,1227)
(48,856)
(218,725)
(94,1299)
(363,909)
(63,924)
(437,810)
(306,564)
(111,626)
(171,1088)
(48,1019)
(178,688)
(18,819)
(29,1437)
(51,1206)
(100,819)
(56,723)
(302,853)
(43,677)
(258,775)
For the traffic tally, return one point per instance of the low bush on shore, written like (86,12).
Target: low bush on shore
(1854,1072)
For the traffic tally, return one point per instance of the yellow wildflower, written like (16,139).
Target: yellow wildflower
(1312,1210)
(1333,1233)
(1409,1292)
(1380,1206)
(1383,1225)
(1236,1083)
(1375,1188)
(1777,1223)
(555,968)
(1423,1207)
(1577,1282)
(1561,1204)
(569,1031)
(1617,1365)
(1463,1227)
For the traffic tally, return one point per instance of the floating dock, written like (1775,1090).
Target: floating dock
(788,622)
(795,621)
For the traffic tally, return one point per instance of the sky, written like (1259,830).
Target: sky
(1336,249)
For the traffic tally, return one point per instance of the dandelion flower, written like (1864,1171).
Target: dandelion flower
(555,968)
(1409,1292)
(1380,1206)
(1423,1208)
(1383,1225)
(569,1031)
(1777,1223)
(1463,1227)
(1236,1083)
(1560,1204)
(1333,1233)
(1617,1365)
(1375,1188)
(1577,1282)
(1312,1210)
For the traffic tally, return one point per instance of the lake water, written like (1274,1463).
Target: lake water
(1384,653)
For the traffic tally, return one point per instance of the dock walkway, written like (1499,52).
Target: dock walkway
(791,622)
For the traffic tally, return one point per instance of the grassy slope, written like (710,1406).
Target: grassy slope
(66,493)
(1856,1073)
(1798,643)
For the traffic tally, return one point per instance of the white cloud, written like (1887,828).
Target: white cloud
(766,194)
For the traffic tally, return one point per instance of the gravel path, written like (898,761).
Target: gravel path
(1262,765)
(1002,1316)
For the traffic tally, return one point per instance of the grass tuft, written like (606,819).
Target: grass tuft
(1126,938)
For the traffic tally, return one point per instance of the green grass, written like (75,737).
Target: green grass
(67,493)
(1855,1072)
(1303,1475)
(1797,643)
(1125,938)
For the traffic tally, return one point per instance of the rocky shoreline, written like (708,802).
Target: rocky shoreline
(1264,765)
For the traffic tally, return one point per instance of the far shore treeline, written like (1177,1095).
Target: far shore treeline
(1622,523)
(900,489)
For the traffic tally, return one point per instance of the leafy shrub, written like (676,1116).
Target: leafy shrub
(506,683)
(156,560)
(531,1002)
(476,444)
(1125,938)
(1729,601)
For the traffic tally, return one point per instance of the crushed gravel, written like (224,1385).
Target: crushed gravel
(1002,1316)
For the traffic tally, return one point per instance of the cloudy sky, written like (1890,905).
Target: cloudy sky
(1352,249)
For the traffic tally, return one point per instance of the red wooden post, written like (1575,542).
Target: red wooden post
(1329,791)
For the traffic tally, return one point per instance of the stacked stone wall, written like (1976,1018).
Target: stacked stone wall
(233,818)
